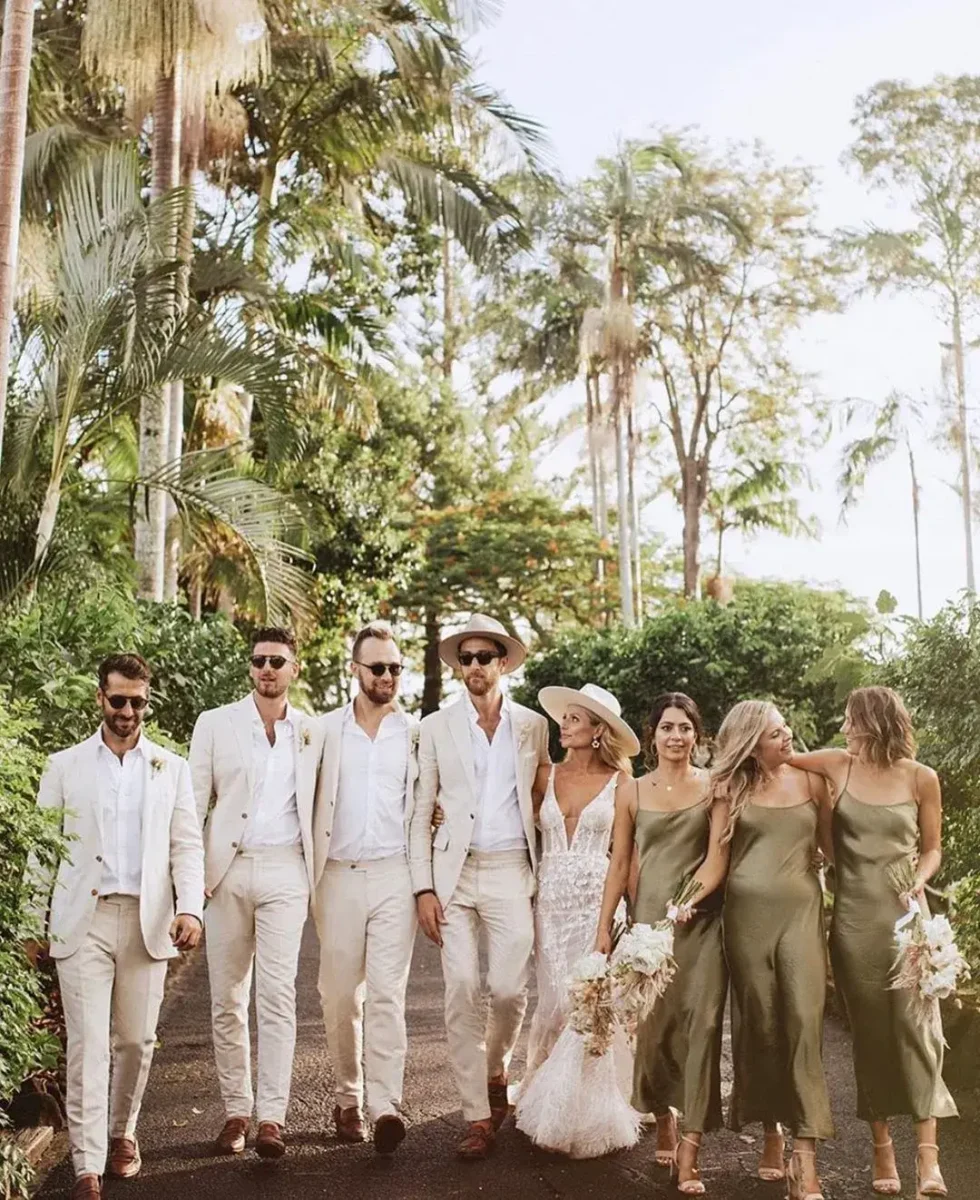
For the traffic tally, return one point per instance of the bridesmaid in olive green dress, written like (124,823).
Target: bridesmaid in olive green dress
(888,812)
(677,833)
(774,941)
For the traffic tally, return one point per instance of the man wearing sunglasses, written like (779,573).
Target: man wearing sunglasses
(363,903)
(254,766)
(477,760)
(134,841)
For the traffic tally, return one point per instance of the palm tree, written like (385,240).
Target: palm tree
(15,66)
(175,52)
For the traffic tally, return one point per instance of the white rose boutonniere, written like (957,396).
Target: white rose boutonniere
(523,737)
(156,766)
(304,737)
(413,737)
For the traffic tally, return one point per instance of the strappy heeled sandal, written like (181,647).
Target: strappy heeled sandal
(692,1186)
(665,1158)
(794,1178)
(888,1185)
(773,1174)
(933,1184)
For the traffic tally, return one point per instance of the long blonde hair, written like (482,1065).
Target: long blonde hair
(612,747)
(736,771)
(881,724)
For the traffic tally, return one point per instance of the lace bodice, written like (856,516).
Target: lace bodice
(593,829)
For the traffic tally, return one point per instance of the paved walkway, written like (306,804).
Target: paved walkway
(181,1114)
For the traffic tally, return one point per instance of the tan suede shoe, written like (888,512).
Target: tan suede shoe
(124,1158)
(87,1187)
(231,1139)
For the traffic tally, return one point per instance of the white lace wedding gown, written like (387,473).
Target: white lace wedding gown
(580,1104)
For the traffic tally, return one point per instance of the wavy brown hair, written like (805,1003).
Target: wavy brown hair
(736,771)
(664,701)
(881,725)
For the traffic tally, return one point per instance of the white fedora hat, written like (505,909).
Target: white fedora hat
(483,627)
(555,700)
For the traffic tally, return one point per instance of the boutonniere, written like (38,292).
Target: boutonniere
(523,737)
(156,766)
(413,736)
(304,737)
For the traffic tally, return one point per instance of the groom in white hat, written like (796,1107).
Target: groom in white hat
(478,759)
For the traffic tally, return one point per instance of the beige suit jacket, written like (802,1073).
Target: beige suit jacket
(224,781)
(172,854)
(446,774)
(332,729)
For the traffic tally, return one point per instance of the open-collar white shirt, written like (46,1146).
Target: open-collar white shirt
(498,824)
(275,816)
(369,817)
(122,783)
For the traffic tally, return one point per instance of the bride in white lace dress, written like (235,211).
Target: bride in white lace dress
(576,819)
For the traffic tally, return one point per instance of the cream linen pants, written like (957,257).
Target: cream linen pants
(255,919)
(110,982)
(365,916)
(493,893)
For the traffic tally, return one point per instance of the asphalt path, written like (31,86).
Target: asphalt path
(182,1114)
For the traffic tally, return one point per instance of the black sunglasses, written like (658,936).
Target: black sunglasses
(276,661)
(137,703)
(378,669)
(483,657)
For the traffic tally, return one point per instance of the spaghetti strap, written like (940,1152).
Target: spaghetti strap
(847,777)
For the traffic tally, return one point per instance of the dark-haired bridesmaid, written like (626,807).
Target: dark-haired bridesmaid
(888,812)
(677,832)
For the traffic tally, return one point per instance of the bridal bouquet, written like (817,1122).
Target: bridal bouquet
(928,962)
(592,1012)
(642,963)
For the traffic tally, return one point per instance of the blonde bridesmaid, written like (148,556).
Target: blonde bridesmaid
(774,941)
(888,812)
(669,819)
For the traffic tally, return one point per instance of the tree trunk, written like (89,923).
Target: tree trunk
(600,519)
(432,688)
(692,530)
(448,341)
(260,253)
(623,532)
(915,524)
(196,597)
(151,521)
(720,559)
(632,440)
(964,443)
(15,68)
(175,424)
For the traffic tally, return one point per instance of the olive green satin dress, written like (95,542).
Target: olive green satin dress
(897,1063)
(776,951)
(678,1047)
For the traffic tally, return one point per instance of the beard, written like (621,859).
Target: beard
(272,688)
(379,691)
(477,685)
(121,724)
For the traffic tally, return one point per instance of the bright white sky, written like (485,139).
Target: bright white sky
(787,74)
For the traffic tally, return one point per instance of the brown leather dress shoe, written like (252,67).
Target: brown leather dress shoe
(389,1133)
(349,1124)
(124,1158)
(479,1140)
(231,1140)
(268,1141)
(87,1187)
(499,1104)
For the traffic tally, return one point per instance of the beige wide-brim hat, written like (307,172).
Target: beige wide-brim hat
(486,627)
(555,700)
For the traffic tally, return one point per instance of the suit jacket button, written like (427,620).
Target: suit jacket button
(326,833)
(98,858)
(234,844)
(95,891)
(244,816)
(472,818)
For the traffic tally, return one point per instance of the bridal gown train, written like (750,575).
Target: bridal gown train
(581,1121)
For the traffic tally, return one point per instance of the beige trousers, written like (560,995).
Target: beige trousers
(255,920)
(109,983)
(365,916)
(493,894)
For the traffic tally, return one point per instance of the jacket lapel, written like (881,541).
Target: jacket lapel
(151,781)
(89,781)
(304,765)
(242,716)
(459,727)
(520,733)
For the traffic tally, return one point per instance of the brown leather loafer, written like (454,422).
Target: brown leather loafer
(124,1158)
(479,1140)
(499,1104)
(389,1133)
(268,1141)
(231,1140)
(349,1124)
(87,1187)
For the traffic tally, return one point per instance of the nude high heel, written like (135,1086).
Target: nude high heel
(794,1178)
(933,1184)
(889,1185)
(692,1186)
(773,1174)
(665,1158)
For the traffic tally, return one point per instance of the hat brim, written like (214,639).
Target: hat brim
(555,700)
(449,648)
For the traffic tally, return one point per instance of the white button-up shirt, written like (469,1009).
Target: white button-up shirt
(122,784)
(275,817)
(498,824)
(369,817)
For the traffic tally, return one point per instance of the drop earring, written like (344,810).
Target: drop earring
(595,743)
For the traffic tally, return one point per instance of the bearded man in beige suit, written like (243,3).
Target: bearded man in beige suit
(363,901)
(128,811)
(254,767)
(477,761)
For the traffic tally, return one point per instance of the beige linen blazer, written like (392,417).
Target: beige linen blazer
(446,774)
(223,778)
(332,728)
(172,854)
